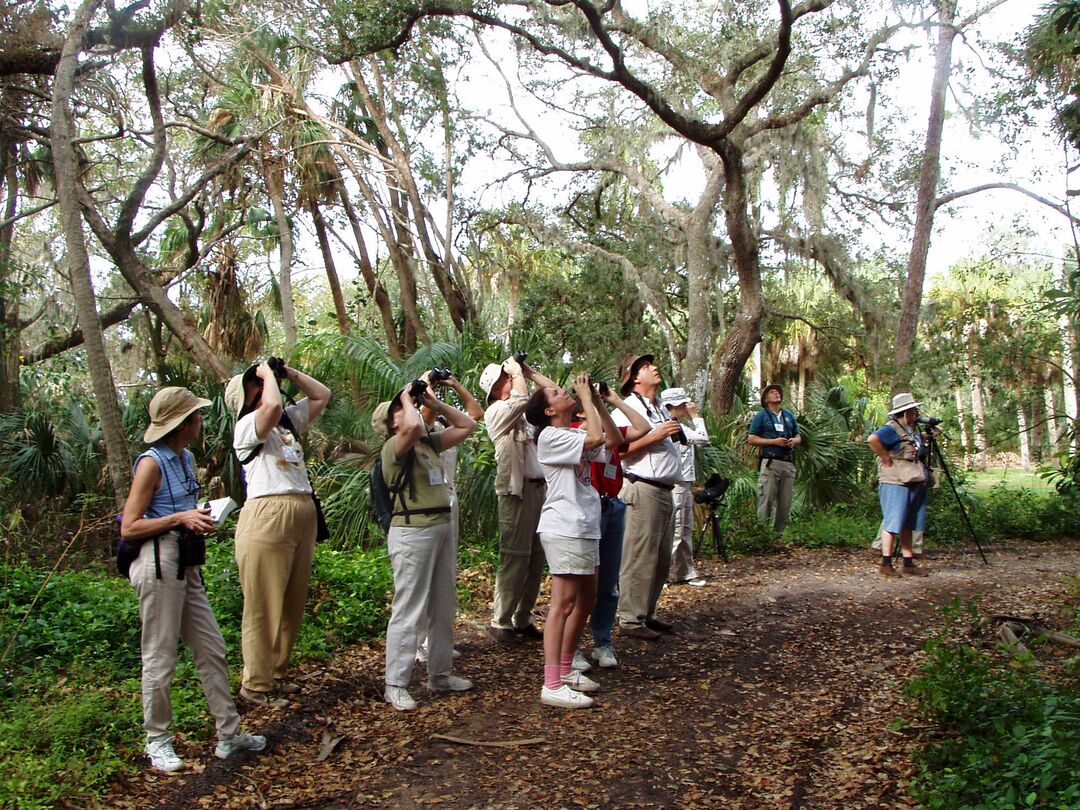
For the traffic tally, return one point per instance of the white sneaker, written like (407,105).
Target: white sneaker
(449,683)
(565,698)
(162,756)
(579,683)
(241,742)
(696,582)
(605,657)
(579,663)
(399,698)
(422,653)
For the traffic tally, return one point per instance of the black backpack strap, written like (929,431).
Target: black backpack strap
(404,479)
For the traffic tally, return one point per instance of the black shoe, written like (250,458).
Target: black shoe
(504,635)
(530,631)
(659,626)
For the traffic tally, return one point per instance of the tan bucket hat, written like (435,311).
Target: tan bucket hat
(629,369)
(378,418)
(903,402)
(169,407)
(490,376)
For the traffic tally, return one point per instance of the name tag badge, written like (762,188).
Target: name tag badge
(610,471)
(435,476)
(779,427)
(290,454)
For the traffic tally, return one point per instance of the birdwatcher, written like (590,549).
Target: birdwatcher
(775,432)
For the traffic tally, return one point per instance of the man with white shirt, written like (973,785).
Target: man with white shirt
(520,487)
(651,467)
(679,405)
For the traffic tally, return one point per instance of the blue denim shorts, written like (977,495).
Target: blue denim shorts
(902,507)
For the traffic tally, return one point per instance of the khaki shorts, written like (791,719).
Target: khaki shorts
(570,555)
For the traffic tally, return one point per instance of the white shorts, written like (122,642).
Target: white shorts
(570,555)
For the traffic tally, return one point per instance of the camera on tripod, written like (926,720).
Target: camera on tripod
(713,490)
(929,421)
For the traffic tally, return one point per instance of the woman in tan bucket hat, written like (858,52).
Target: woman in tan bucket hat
(162,516)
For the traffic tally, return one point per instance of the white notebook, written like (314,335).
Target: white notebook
(220,509)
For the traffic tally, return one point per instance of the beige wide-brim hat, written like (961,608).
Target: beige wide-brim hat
(490,376)
(169,408)
(235,396)
(903,402)
(378,418)
(629,370)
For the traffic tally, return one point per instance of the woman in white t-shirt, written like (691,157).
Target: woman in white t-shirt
(275,535)
(569,528)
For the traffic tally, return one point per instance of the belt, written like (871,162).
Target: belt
(660,484)
(536,480)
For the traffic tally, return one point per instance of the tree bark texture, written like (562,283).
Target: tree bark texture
(78,261)
(331,269)
(274,177)
(10,286)
(929,175)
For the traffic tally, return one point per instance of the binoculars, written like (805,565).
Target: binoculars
(416,391)
(440,374)
(520,356)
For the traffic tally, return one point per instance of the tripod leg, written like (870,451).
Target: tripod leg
(718,536)
(948,476)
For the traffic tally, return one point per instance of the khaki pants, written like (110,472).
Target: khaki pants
(425,567)
(776,482)
(521,558)
(172,609)
(682,547)
(275,542)
(646,558)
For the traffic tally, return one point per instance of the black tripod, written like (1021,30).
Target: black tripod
(711,496)
(934,454)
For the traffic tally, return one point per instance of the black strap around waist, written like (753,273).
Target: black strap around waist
(431,510)
(638,479)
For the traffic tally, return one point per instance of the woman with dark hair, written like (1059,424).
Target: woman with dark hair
(569,527)
(423,553)
(162,516)
(275,534)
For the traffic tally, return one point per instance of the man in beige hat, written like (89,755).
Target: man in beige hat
(519,485)
(652,467)
(275,534)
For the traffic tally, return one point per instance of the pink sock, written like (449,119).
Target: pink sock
(564,664)
(551,676)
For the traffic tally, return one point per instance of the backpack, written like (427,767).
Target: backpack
(381,496)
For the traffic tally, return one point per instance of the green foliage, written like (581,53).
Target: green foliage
(1009,740)
(350,595)
(844,525)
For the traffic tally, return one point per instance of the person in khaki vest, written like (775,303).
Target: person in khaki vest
(902,482)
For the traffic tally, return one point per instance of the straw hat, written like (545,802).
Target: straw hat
(629,369)
(169,407)
(903,402)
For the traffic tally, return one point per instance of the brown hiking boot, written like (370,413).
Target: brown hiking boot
(914,571)
(888,571)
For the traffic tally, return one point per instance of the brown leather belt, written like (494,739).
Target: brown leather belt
(638,479)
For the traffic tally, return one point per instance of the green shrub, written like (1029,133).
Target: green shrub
(1009,740)
(350,598)
(844,525)
(63,741)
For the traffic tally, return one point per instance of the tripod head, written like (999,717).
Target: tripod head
(712,493)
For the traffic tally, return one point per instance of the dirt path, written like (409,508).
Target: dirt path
(779,691)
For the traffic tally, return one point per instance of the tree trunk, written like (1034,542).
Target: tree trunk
(1038,427)
(731,355)
(978,417)
(1023,435)
(275,187)
(1052,418)
(10,288)
(961,418)
(375,288)
(331,268)
(924,203)
(1068,381)
(78,261)
(701,276)
(756,383)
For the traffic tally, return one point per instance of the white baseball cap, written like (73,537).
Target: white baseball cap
(674,396)
(490,376)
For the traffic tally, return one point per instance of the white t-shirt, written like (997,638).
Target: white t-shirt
(572,505)
(279,468)
(658,462)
